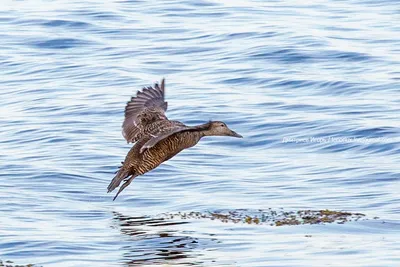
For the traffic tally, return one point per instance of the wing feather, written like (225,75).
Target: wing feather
(176,127)
(148,105)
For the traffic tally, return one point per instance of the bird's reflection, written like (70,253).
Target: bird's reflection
(155,242)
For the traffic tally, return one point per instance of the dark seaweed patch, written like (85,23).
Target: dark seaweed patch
(11,264)
(271,217)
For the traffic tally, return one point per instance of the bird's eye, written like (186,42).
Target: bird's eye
(222,125)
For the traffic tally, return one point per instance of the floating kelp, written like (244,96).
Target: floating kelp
(271,217)
(11,264)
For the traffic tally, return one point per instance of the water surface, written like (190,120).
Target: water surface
(271,70)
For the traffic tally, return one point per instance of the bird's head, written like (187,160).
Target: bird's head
(219,128)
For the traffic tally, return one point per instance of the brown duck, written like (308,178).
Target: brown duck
(156,138)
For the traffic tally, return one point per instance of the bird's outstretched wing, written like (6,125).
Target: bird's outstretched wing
(167,129)
(146,108)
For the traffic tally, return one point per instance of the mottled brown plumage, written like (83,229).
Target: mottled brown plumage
(157,138)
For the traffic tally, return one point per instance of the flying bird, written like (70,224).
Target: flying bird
(156,138)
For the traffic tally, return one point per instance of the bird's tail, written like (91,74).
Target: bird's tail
(115,182)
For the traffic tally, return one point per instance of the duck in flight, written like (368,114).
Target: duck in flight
(156,138)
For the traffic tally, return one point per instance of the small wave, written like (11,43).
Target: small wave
(60,43)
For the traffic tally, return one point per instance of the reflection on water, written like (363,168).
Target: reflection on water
(157,241)
(172,238)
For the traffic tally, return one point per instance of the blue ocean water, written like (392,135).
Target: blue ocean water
(313,87)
